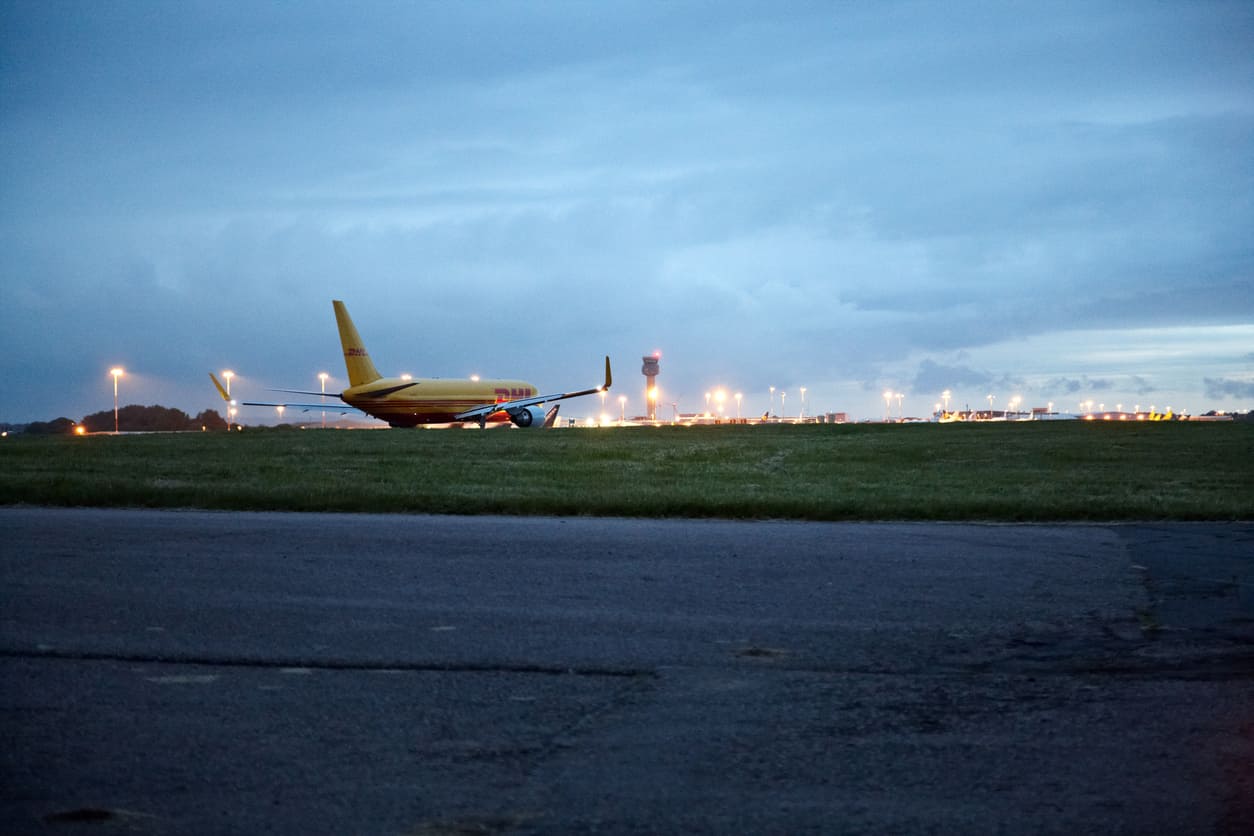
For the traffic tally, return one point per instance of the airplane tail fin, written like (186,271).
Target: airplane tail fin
(361,369)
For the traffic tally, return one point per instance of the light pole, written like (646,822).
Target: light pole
(230,417)
(622,409)
(720,396)
(322,377)
(945,398)
(990,407)
(801,416)
(227,375)
(771,407)
(117,372)
(739,395)
(707,404)
(888,405)
(900,415)
(604,418)
(783,398)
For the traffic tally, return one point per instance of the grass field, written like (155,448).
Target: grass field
(1007,472)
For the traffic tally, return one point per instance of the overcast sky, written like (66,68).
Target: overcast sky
(1050,200)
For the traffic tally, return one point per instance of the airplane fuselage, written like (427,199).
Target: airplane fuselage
(409,403)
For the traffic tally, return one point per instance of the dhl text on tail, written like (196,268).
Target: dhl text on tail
(410,402)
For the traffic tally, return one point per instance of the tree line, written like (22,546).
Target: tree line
(133,418)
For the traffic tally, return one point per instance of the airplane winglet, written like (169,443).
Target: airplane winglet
(608,379)
(221,391)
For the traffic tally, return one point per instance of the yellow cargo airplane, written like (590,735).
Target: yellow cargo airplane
(410,402)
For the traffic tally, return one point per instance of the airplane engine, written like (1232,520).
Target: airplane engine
(528,417)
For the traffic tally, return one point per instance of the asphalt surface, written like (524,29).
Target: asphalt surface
(189,672)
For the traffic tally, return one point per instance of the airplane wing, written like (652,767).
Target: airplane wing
(330,406)
(338,406)
(481,413)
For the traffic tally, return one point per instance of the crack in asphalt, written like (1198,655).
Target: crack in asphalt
(1232,664)
(282,662)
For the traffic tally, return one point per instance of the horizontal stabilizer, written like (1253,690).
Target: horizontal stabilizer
(388,390)
(337,406)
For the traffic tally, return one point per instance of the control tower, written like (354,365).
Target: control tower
(651,370)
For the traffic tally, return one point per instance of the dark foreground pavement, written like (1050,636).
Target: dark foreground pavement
(187,672)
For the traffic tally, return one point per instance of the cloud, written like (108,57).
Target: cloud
(1069,386)
(933,377)
(1137,384)
(1225,388)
